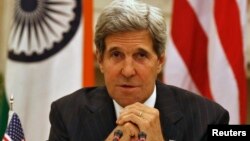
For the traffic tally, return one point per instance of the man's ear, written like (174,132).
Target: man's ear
(161,62)
(99,58)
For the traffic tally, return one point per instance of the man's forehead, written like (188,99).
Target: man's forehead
(135,49)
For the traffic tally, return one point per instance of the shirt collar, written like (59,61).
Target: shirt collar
(149,102)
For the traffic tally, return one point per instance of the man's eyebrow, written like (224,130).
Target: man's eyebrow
(117,49)
(112,49)
(142,50)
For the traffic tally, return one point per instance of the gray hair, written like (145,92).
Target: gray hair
(131,15)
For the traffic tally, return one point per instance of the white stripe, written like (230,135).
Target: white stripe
(222,80)
(242,4)
(175,71)
(203,11)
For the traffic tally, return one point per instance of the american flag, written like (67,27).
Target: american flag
(205,52)
(14,131)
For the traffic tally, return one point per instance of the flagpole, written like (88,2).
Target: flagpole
(11,102)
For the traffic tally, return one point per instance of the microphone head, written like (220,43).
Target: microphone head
(118,133)
(142,135)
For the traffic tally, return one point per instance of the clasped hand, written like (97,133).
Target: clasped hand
(137,118)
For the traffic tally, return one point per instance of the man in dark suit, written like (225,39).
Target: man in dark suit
(130,38)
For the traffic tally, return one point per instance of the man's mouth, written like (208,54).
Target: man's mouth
(128,86)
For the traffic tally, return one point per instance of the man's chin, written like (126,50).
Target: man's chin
(127,102)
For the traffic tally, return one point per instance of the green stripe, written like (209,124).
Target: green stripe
(4,108)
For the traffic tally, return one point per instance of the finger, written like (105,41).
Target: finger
(149,115)
(138,107)
(131,129)
(133,139)
(140,122)
(142,115)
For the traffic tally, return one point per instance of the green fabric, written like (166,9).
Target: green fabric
(4,108)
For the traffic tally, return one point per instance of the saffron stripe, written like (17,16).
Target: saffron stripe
(227,19)
(88,55)
(191,42)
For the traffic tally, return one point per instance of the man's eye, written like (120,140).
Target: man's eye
(116,54)
(141,55)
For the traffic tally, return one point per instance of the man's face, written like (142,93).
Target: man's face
(130,66)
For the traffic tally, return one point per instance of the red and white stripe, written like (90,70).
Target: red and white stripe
(6,138)
(205,52)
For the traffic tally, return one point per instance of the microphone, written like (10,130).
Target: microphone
(117,135)
(142,136)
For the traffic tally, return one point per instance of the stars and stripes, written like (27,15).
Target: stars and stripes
(14,131)
(205,52)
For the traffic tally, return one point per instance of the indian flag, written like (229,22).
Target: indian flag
(49,56)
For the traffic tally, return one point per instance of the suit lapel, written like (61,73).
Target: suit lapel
(98,117)
(170,114)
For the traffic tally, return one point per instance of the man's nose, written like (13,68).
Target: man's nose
(128,69)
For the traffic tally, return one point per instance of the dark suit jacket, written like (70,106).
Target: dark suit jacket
(88,115)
